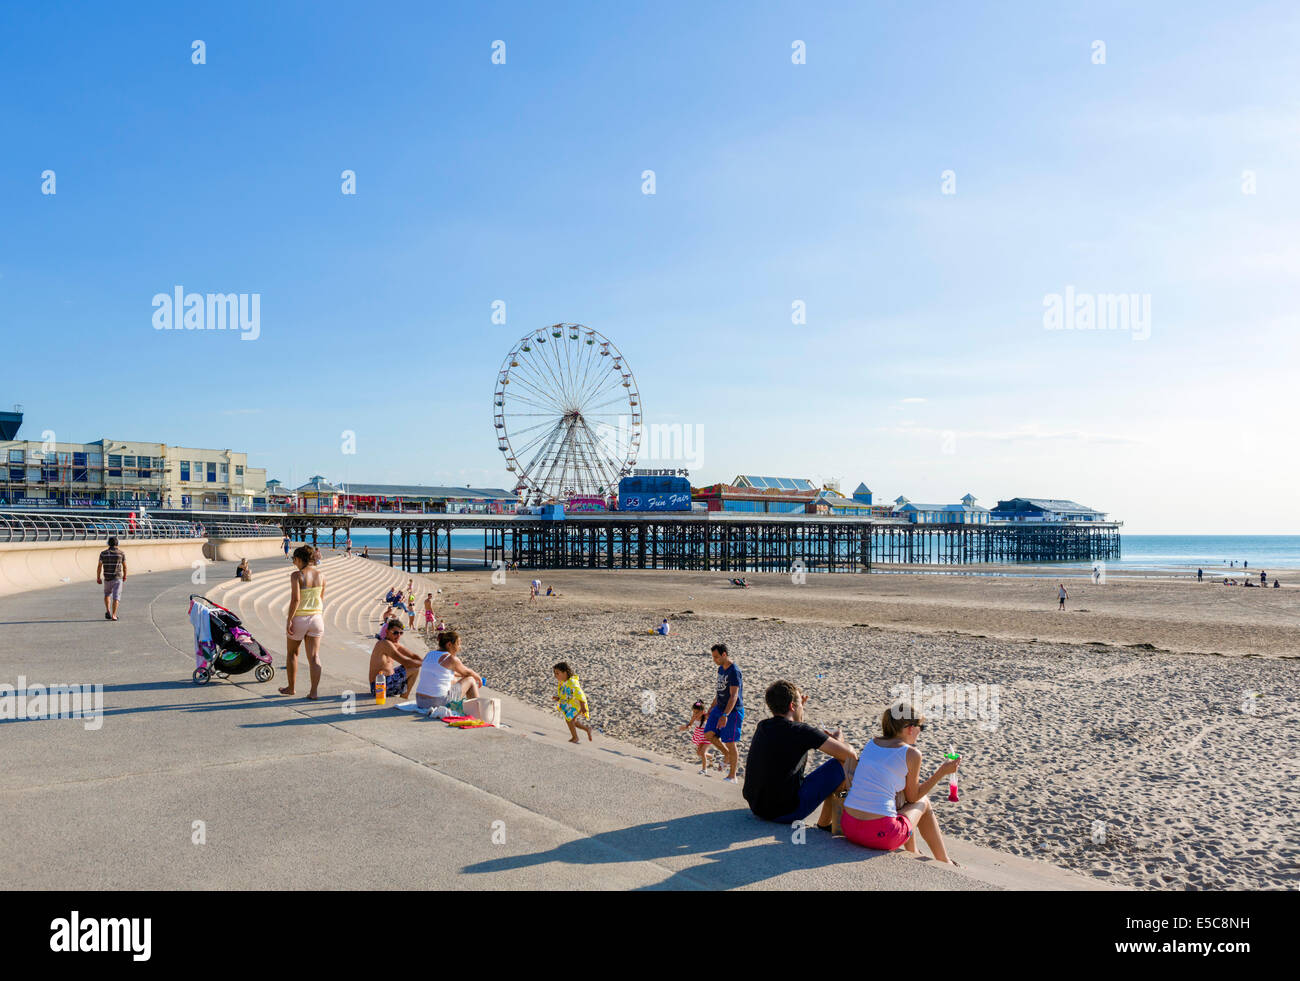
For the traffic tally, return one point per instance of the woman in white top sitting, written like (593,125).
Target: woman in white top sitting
(887,802)
(445,679)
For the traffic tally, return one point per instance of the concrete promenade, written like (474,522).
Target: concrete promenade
(299,795)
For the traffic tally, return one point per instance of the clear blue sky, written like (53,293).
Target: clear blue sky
(923,368)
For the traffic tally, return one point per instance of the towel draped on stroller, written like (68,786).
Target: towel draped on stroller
(222,646)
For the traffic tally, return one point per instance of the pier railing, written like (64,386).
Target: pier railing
(30,526)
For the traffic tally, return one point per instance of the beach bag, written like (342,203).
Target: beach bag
(486,709)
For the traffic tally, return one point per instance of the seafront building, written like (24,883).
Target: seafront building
(115,473)
(965,513)
(319,496)
(1044,509)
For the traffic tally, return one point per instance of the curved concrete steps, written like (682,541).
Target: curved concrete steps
(354,594)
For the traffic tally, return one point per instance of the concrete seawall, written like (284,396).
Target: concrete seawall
(234,549)
(38,565)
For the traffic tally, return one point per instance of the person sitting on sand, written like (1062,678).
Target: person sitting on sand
(663,628)
(389,658)
(242,571)
(699,738)
(775,785)
(572,701)
(886,802)
(446,682)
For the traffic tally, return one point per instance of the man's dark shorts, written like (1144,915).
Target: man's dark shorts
(816,787)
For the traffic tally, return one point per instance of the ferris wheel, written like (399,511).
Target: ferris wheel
(567,414)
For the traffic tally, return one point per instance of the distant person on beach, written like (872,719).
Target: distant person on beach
(285,543)
(315,556)
(663,628)
(1200,574)
(365,551)
(428,613)
(306,620)
(446,681)
(1061,595)
(243,572)
(572,701)
(727,714)
(699,738)
(1275,582)
(1263,578)
(110,572)
(389,658)
(886,802)
(347,545)
(775,785)
(534,588)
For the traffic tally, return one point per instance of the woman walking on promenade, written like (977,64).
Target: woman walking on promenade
(886,802)
(305,623)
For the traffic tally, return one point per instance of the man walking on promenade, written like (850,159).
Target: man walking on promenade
(727,712)
(111,572)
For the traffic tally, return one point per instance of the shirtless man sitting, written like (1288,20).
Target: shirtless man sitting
(390,658)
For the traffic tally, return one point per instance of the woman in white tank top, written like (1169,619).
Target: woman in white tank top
(445,678)
(886,802)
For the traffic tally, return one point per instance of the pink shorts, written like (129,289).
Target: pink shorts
(883,834)
(428,616)
(312,626)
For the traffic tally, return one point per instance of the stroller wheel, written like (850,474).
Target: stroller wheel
(201,677)
(264,672)
(222,675)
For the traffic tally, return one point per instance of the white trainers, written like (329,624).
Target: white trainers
(703,771)
(728,779)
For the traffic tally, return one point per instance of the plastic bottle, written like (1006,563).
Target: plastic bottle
(952,777)
(381,688)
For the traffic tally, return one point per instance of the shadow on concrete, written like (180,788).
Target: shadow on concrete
(705,836)
(19,623)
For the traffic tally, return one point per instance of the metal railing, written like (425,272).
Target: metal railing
(239,529)
(20,526)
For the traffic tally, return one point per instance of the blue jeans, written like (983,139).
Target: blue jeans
(816,787)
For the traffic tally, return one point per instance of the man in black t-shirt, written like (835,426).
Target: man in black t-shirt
(775,785)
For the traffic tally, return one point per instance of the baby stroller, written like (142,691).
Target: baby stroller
(222,646)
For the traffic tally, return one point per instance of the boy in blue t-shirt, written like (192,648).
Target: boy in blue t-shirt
(728,711)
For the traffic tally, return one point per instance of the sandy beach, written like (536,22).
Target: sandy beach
(1163,709)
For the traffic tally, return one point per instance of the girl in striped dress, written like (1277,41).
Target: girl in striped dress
(699,738)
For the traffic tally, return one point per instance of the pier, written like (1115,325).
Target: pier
(712,541)
(715,542)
